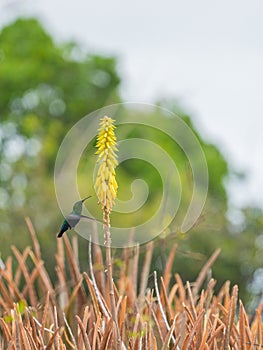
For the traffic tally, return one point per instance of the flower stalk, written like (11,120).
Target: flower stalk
(106,189)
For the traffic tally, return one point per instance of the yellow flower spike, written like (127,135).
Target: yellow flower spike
(105,184)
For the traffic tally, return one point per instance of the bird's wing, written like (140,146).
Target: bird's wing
(88,218)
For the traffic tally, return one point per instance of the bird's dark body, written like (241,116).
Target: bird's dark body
(65,226)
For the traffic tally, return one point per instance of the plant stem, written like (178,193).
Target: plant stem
(109,275)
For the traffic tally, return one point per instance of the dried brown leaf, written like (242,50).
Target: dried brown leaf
(83,333)
(202,275)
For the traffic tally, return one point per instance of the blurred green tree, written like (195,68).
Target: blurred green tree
(45,88)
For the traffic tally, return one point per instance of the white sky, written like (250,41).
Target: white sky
(206,54)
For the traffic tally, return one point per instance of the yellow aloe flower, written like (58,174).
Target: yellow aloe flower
(106,185)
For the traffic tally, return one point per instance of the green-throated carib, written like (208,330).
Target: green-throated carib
(74,217)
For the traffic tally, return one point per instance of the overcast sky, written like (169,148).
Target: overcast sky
(206,54)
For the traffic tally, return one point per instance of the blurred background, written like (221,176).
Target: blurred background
(202,60)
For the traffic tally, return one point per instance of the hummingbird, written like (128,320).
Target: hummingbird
(74,217)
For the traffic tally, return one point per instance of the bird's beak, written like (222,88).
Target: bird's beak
(83,200)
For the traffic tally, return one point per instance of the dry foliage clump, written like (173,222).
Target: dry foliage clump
(37,313)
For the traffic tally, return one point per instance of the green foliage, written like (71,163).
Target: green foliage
(45,89)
